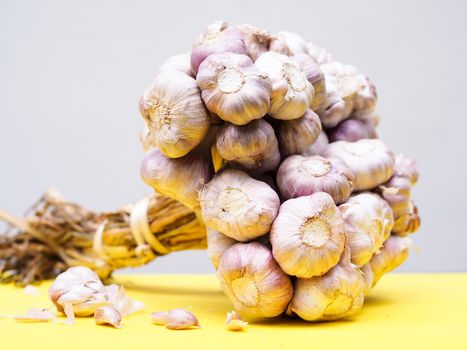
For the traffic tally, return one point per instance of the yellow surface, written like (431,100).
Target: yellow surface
(405,311)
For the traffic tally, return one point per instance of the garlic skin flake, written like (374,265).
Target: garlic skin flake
(121,302)
(34,315)
(218,243)
(218,37)
(175,319)
(234,322)
(238,206)
(368,222)
(301,176)
(371,161)
(253,281)
(180,63)
(257,41)
(108,315)
(175,113)
(308,235)
(296,136)
(233,88)
(178,178)
(352,130)
(292,93)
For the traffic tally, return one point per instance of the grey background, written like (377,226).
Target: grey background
(71,73)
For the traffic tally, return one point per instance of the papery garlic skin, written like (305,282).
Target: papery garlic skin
(368,222)
(146,138)
(253,146)
(175,319)
(238,206)
(218,37)
(371,161)
(337,294)
(218,243)
(292,93)
(253,281)
(288,43)
(319,54)
(234,322)
(315,76)
(368,278)
(180,63)
(233,88)
(406,167)
(121,302)
(175,113)
(108,315)
(178,178)
(301,176)
(308,235)
(393,253)
(318,147)
(257,41)
(352,130)
(296,136)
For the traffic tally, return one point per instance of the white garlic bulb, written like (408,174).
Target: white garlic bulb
(319,54)
(288,43)
(371,161)
(301,176)
(406,167)
(253,146)
(297,135)
(292,93)
(180,63)
(233,88)
(407,223)
(178,178)
(253,281)
(337,294)
(218,243)
(352,129)
(257,41)
(368,223)
(318,147)
(238,206)
(315,76)
(175,113)
(308,235)
(218,37)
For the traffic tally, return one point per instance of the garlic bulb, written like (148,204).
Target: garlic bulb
(406,167)
(301,176)
(318,147)
(315,76)
(337,294)
(257,41)
(371,161)
(218,37)
(180,63)
(368,278)
(175,319)
(319,54)
(308,235)
(253,281)
(292,93)
(175,113)
(394,252)
(352,130)
(108,315)
(288,43)
(233,88)
(179,178)
(296,136)
(253,146)
(368,222)
(407,223)
(238,206)
(218,243)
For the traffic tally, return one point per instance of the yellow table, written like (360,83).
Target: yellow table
(405,311)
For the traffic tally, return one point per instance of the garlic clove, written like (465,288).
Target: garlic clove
(352,130)
(233,88)
(308,235)
(218,37)
(368,222)
(238,206)
(371,161)
(175,319)
(253,281)
(301,176)
(180,63)
(318,147)
(292,93)
(218,243)
(108,315)
(175,113)
(159,317)
(257,41)
(178,178)
(234,322)
(288,43)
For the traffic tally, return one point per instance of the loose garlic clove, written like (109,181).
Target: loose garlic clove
(253,281)
(288,43)
(180,63)
(178,178)
(175,113)
(337,294)
(108,315)
(234,322)
(296,136)
(301,176)
(394,252)
(368,278)
(308,235)
(238,206)
(371,161)
(253,146)
(368,222)
(319,54)
(175,319)
(218,243)
(315,76)
(352,130)
(218,37)
(292,93)
(257,41)
(233,88)
(406,167)
(318,147)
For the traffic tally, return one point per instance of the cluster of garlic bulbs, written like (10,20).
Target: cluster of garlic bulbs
(273,144)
